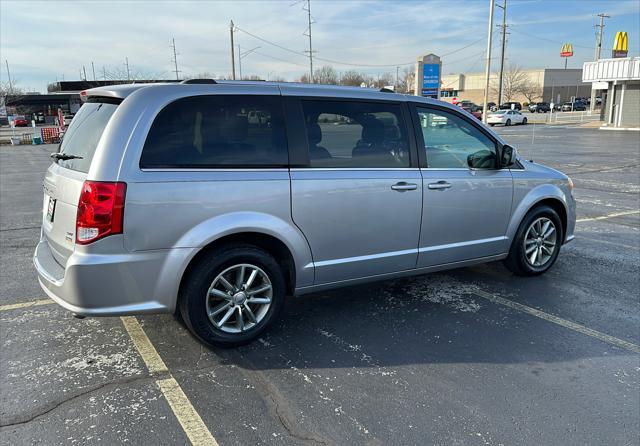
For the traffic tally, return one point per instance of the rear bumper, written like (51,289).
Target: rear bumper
(111,285)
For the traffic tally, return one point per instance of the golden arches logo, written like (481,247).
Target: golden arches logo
(566,50)
(620,44)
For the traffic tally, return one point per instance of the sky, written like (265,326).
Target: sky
(45,41)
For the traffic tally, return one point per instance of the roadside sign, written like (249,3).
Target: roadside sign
(620,45)
(566,50)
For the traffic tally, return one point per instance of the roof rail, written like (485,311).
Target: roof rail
(198,81)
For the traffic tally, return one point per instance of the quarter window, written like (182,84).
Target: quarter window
(451,142)
(355,134)
(217,131)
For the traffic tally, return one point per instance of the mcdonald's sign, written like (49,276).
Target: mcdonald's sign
(567,50)
(620,45)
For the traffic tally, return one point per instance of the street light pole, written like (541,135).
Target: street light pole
(504,39)
(488,64)
(233,58)
(602,16)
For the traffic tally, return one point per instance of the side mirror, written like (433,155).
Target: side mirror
(483,159)
(508,156)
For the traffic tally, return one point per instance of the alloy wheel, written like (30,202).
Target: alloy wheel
(239,298)
(540,242)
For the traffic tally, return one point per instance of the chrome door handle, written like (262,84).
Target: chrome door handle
(402,186)
(440,185)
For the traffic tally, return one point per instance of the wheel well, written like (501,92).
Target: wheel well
(557,206)
(269,243)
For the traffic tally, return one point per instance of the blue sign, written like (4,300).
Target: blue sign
(431,80)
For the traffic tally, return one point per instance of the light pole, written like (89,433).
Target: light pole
(488,64)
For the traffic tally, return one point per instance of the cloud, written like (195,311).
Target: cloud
(46,40)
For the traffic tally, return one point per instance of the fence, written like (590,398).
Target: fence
(574,117)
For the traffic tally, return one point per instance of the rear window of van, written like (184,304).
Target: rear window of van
(85,131)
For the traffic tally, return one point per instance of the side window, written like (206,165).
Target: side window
(217,131)
(355,134)
(451,142)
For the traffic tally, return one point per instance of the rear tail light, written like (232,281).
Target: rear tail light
(100,210)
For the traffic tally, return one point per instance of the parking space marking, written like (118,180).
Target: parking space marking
(33,303)
(559,321)
(605,217)
(185,413)
(149,354)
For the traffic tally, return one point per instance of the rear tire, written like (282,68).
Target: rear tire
(212,288)
(536,245)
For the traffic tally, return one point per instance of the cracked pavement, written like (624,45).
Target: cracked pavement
(414,361)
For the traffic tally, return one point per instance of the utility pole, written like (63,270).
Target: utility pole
(175,58)
(233,58)
(397,78)
(310,51)
(9,76)
(602,16)
(488,63)
(126,59)
(84,70)
(504,39)
(239,63)
(93,68)
(104,73)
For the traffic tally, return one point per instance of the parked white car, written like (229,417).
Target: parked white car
(506,117)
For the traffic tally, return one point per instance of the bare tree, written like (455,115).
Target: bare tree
(384,80)
(531,90)
(9,93)
(326,75)
(407,80)
(513,81)
(352,78)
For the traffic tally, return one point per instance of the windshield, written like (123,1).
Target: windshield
(83,135)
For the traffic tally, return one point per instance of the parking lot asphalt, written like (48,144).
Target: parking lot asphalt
(470,356)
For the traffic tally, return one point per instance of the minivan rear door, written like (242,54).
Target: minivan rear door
(64,178)
(356,196)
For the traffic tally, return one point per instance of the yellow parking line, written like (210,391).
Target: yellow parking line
(559,321)
(149,354)
(186,414)
(189,419)
(33,303)
(605,217)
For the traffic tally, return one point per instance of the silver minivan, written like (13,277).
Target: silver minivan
(176,198)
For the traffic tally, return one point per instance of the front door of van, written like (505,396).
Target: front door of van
(359,200)
(467,198)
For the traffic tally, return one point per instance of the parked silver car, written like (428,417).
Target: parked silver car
(168,197)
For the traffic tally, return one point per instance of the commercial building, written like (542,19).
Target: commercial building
(542,85)
(619,83)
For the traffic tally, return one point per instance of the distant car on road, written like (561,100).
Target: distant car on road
(469,106)
(574,106)
(511,106)
(475,110)
(68,119)
(539,107)
(506,117)
(20,121)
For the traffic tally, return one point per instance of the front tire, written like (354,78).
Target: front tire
(524,121)
(232,295)
(508,123)
(536,245)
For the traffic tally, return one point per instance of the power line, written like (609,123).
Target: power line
(337,62)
